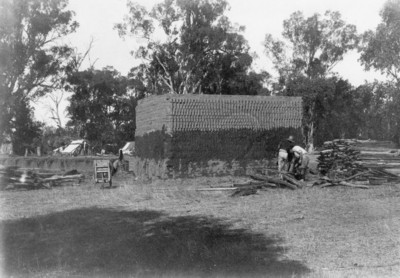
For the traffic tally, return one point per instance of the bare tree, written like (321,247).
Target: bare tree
(53,106)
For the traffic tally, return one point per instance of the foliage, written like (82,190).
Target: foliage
(54,137)
(376,106)
(334,109)
(202,51)
(380,48)
(27,131)
(101,108)
(314,44)
(32,61)
(328,105)
(341,117)
(380,51)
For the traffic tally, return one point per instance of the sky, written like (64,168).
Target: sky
(98,17)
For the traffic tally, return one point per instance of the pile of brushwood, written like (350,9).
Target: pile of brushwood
(14,178)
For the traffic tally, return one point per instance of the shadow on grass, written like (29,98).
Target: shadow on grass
(99,242)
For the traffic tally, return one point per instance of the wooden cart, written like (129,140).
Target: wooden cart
(102,172)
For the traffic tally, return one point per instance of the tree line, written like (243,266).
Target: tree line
(192,47)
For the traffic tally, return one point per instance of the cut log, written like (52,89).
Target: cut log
(354,176)
(221,186)
(216,189)
(58,178)
(353,185)
(327,184)
(268,184)
(244,192)
(273,180)
(385,173)
(250,183)
(290,179)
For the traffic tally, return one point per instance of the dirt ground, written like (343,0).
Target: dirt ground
(168,229)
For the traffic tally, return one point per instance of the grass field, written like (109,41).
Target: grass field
(167,229)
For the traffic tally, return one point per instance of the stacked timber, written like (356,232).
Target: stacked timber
(13,177)
(339,156)
(343,163)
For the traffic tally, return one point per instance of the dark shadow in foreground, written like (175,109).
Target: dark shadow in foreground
(98,242)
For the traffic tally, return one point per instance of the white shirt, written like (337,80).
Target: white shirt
(299,151)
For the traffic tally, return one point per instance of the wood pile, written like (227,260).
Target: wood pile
(259,182)
(360,180)
(339,157)
(12,178)
(343,164)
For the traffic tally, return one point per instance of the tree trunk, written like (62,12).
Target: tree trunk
(310,138)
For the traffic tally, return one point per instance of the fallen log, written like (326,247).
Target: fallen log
(383,172)
(290,179)
(354,176)
(244,192)
(216,189)
(221,186)
(268,184)
(353,185)
(273,180)
(343,183)
(258,184)
(327,184)
(59,178)
(249,183)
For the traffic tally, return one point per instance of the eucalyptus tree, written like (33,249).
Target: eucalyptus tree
(101,108)
(380,50)
(310,49)
(33,59)
(201,51)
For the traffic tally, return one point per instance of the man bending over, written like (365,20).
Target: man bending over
(301,160)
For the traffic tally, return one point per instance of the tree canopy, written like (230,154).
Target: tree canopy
(101,109)
(202,51)
(304,61)
(31,56)
(380,49)
(312,46)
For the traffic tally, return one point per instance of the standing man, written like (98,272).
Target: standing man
(284,154)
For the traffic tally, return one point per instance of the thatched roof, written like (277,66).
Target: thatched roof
(219,112)
(211,112)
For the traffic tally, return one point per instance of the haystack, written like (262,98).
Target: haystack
(192,135)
